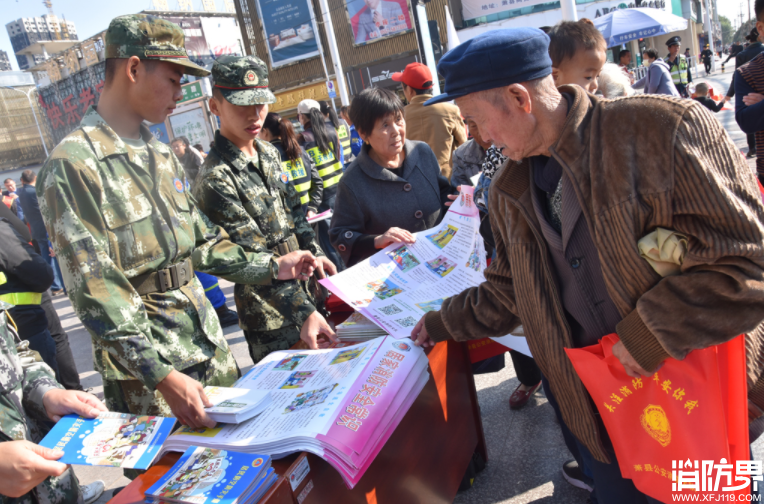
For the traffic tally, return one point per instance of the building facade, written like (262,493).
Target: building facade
(5,63)
(27,31)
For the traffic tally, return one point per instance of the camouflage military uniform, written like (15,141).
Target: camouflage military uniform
(259,208)
(116,211)
(24,380)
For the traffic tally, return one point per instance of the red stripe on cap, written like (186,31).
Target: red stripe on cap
(248,87)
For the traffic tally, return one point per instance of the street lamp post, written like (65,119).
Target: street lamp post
(34,114)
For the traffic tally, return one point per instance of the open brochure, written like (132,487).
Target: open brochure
(234,405)
(327,214)
(341,404)
(111,439)
(398,285)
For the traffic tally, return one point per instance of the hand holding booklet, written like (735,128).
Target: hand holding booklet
(235,405)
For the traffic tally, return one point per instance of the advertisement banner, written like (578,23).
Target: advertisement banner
(290,30)
(376,19)
(193,125)
(209,37)
(472,9)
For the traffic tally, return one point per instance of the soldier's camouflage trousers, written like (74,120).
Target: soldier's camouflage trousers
(262,343)
(131,396)
(64,489)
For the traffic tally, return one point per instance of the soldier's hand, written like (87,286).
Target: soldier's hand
(24,465)
(299,264)
(314,326)
(325,267)
(420,335)
(59,402)
(187,400)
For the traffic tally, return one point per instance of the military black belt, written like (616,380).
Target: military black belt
(286,246)
(171,278)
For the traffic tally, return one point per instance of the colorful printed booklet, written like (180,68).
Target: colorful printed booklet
(341,404)
(327,214)
(111,439)
(358,328)
(210,476)
(235,405)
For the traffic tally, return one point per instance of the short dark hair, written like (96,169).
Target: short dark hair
(651,53)
(6,180)
(623,52)
(373,104)
(110,68)
(568,37)
(28,176)
(419,92)
(758,10)
(181,138)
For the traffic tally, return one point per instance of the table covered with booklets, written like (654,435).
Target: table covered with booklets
(424,460)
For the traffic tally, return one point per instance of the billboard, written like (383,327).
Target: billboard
(373,20)
(290,30)
(472,9)
(209,37)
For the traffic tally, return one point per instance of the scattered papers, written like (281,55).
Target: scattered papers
(111,439)
(327,214)
(341,404)
(234,405)
(358,328)
(207,476)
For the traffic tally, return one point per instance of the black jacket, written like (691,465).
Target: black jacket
(742,58)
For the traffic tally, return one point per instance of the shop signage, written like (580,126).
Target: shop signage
(378,75)
(290,30)
(290,99)
(191,91)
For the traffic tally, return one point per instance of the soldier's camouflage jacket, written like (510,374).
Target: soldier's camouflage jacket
(258,208)
(114,212)
(24,379)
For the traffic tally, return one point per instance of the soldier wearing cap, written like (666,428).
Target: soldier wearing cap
(678,66)
(241,187)
(129,236)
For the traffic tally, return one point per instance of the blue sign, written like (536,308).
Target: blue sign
(331,89)
(290,30)
(160,132)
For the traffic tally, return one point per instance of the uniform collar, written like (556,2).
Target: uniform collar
(106,142)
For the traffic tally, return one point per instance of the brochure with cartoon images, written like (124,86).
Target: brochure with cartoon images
(111,439)
(211,476)
(234,405)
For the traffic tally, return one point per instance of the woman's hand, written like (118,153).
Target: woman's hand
(752,98)
(453,197)
(393,235)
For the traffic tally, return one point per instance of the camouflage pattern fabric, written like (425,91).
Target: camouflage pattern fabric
(149,38)
(114,212)
(242,80)
(262,343)
(24,380)
(259,209)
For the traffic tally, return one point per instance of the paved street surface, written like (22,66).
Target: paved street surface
(526,449)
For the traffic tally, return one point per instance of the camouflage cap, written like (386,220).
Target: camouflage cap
(149,38)
(243,80)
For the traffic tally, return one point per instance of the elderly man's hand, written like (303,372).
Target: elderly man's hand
(420,335)
(631,366)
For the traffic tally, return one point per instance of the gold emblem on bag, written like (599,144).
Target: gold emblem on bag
(655,422)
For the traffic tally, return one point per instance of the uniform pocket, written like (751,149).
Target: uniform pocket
(132,234)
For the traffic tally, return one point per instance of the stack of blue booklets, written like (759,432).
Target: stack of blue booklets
(210,476)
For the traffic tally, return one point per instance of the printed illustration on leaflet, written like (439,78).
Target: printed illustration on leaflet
(429,306)
(403,258)
(311,398)
(441,266)
(384,289)
(297,379)
(475,262)
(347,355)
(194,484)
(113,443)
(443,237)
(289,363)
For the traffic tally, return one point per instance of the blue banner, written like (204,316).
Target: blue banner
(290,30)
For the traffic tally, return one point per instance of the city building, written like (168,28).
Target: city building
(5,64)
(32,38)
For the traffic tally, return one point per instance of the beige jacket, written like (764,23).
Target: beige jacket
(440,126)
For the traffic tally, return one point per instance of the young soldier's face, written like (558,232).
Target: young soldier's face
(583,69)
(239,123)
(159,90)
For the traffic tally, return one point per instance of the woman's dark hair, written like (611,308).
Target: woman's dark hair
(183,139)
(373,104)
(327,110)
(320,133)
(199,147)
(282,129)
(623,52)
(651,53)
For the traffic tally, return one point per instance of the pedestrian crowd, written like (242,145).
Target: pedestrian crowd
(570,167)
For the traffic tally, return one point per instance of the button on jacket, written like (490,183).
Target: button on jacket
(114,213)
(259,210)
(372,199)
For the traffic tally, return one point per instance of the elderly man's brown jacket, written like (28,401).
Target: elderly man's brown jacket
(440,126)
(636,164)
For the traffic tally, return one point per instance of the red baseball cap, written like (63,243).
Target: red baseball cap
(415,75)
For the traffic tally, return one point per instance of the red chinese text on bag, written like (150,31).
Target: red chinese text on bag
(664,427)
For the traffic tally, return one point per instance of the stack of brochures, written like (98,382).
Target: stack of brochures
(209,476)
(111,439)
(235,405)
(341,404)
(320,217)
(358,328)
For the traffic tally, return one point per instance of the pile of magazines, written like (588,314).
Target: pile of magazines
(358,328)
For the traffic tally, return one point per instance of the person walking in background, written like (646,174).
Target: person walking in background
(189,159)
(440,127)
(744,56)
(31,205)
(321,143)
(678,67)
(356,141)
(706,57)
(11,198)
(297,165)
(658,79)
(341,128)
(749,95)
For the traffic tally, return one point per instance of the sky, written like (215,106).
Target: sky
(89,17)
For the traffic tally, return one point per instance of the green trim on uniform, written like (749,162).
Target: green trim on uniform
(211,287)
